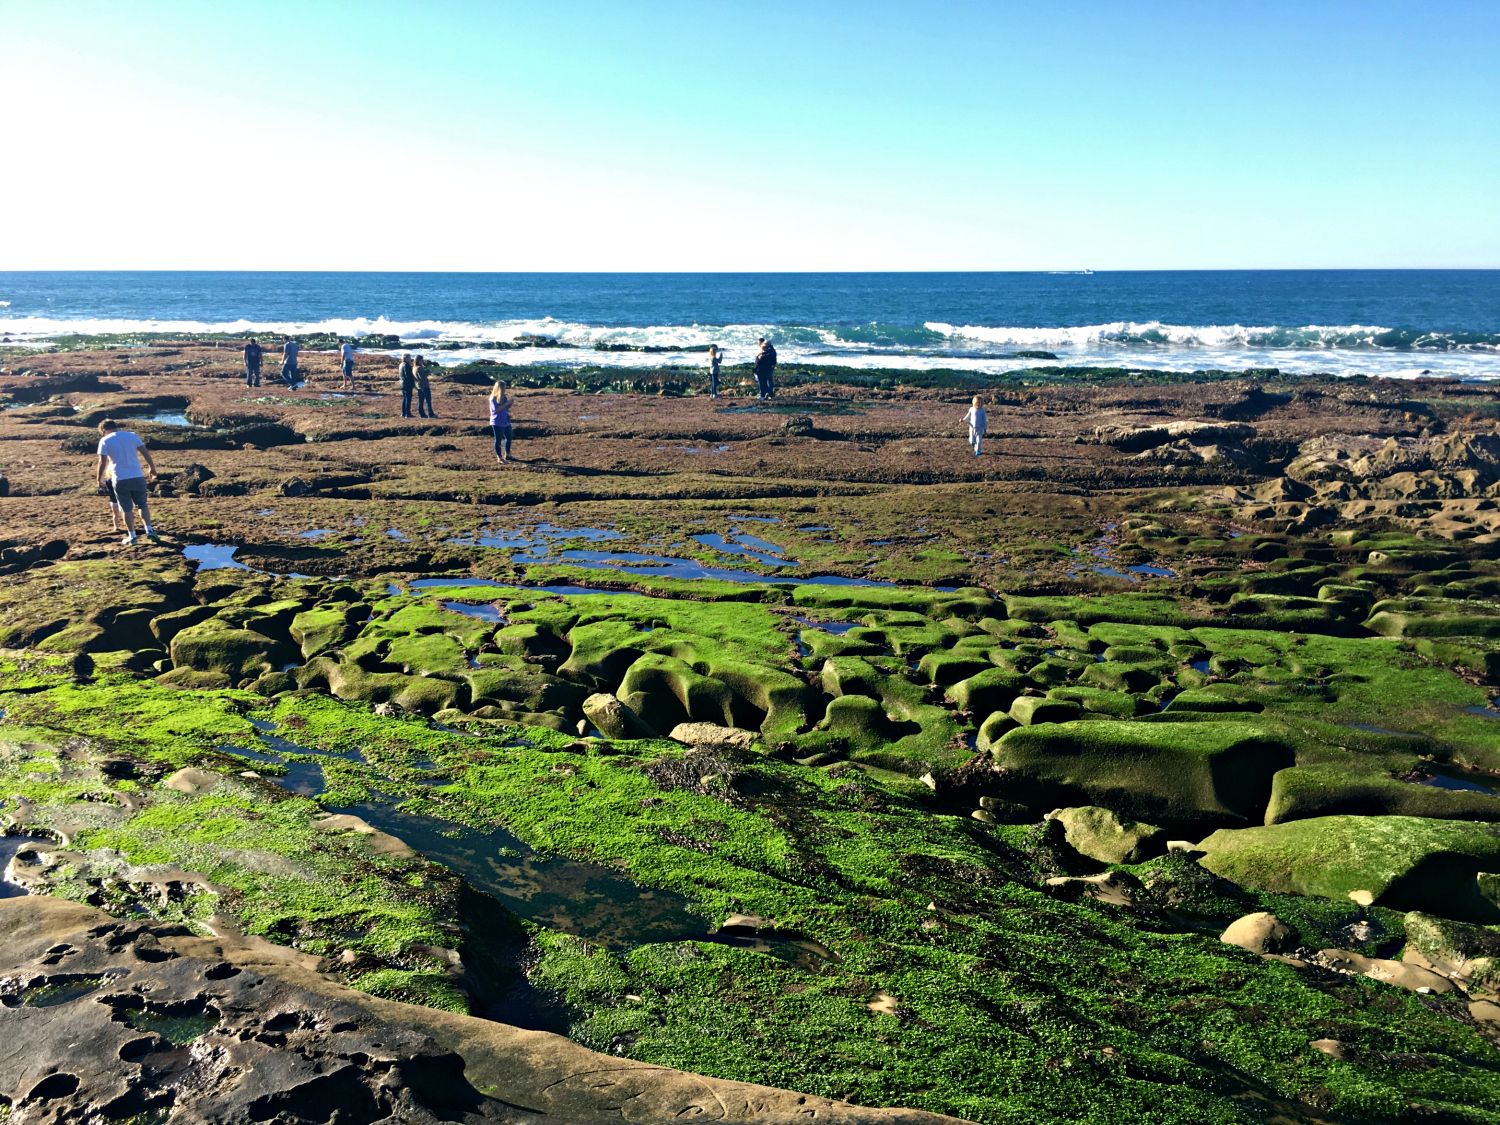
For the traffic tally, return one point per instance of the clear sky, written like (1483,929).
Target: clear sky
(761,135)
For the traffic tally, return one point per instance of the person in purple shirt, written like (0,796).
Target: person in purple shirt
(500,402)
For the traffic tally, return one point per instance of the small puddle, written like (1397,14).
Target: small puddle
(160,417)
(1453,782)
(733,547)
(1487,712)
(213,556)
(401,535)
(837,628)
(593,902)
(483,612)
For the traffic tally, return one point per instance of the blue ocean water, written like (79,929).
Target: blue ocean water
(1392,322)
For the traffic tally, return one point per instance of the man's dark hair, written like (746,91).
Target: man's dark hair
(108,425)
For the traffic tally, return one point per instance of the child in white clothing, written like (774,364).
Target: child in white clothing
(977,424)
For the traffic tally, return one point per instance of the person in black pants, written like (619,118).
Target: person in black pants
(765,369)
(424,390)
(253,352)
(408,384)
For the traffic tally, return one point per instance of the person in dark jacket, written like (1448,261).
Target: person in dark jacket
(424,389)
(408,384)
(253,352)
(765,369)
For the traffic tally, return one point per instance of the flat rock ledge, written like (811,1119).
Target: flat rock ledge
(101,1018)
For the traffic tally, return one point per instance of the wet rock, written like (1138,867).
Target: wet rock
(615,719)
(191,479)
(294,486)
(1108,837)
(1261,932)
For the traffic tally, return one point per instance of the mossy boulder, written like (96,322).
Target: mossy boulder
(993,689)
(945,668)
(1310,791)
(849,675)
(674,692)
(1181,775)
(1100,701)
(1130,678)
(1030,710)
(994,728)
(1107,837)
(1211,701)
(323,627)
(1398,862)
(216,645)
(860,720)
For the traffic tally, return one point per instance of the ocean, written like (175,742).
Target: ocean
(1400,323)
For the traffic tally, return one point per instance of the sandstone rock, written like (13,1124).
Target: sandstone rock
(1376,968)
(381,843)
(614,718)
(1108,837)
(1333,1048)
(282,1043)
(708,736)
(1261,932)
(192,781)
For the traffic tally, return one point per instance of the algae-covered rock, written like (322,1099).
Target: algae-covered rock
(993,689)
(994,728)
(1121,677)
(217,646)
(1107,836)
(1313,791)
(1261,932)
(1176,775)
(1031,710)
(1467,951)
(1398,862)
(614,719)
(674,692)
(1208,700)
(859,719)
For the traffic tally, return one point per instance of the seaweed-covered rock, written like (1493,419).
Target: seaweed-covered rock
(1399,862)
(1178,775)
(1032,710)
(1107,836)
(217,646)
(993,689)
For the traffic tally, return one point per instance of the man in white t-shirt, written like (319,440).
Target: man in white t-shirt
(346,365)
(117,458)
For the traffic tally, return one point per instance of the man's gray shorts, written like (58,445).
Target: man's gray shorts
(131,492)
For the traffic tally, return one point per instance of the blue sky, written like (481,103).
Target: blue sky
(767,135)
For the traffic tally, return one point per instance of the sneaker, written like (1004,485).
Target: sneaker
(151,535)
(128,541)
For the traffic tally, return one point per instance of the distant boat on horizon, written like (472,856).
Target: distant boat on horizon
(1070,273)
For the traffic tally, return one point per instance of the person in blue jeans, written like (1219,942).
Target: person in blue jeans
(253,352)
(424,390)
(500,421)
(289,363)
(407,372)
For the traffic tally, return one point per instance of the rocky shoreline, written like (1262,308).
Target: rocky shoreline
(1145,766)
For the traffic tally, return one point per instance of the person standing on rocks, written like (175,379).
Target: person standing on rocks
(765,369)
(289,363)
(978,423)
(117,457)
(500,401)
(715,358)
(346,365)
(407,372)
(253,352)
(424,390)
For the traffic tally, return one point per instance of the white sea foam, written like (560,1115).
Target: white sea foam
(1335,349)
